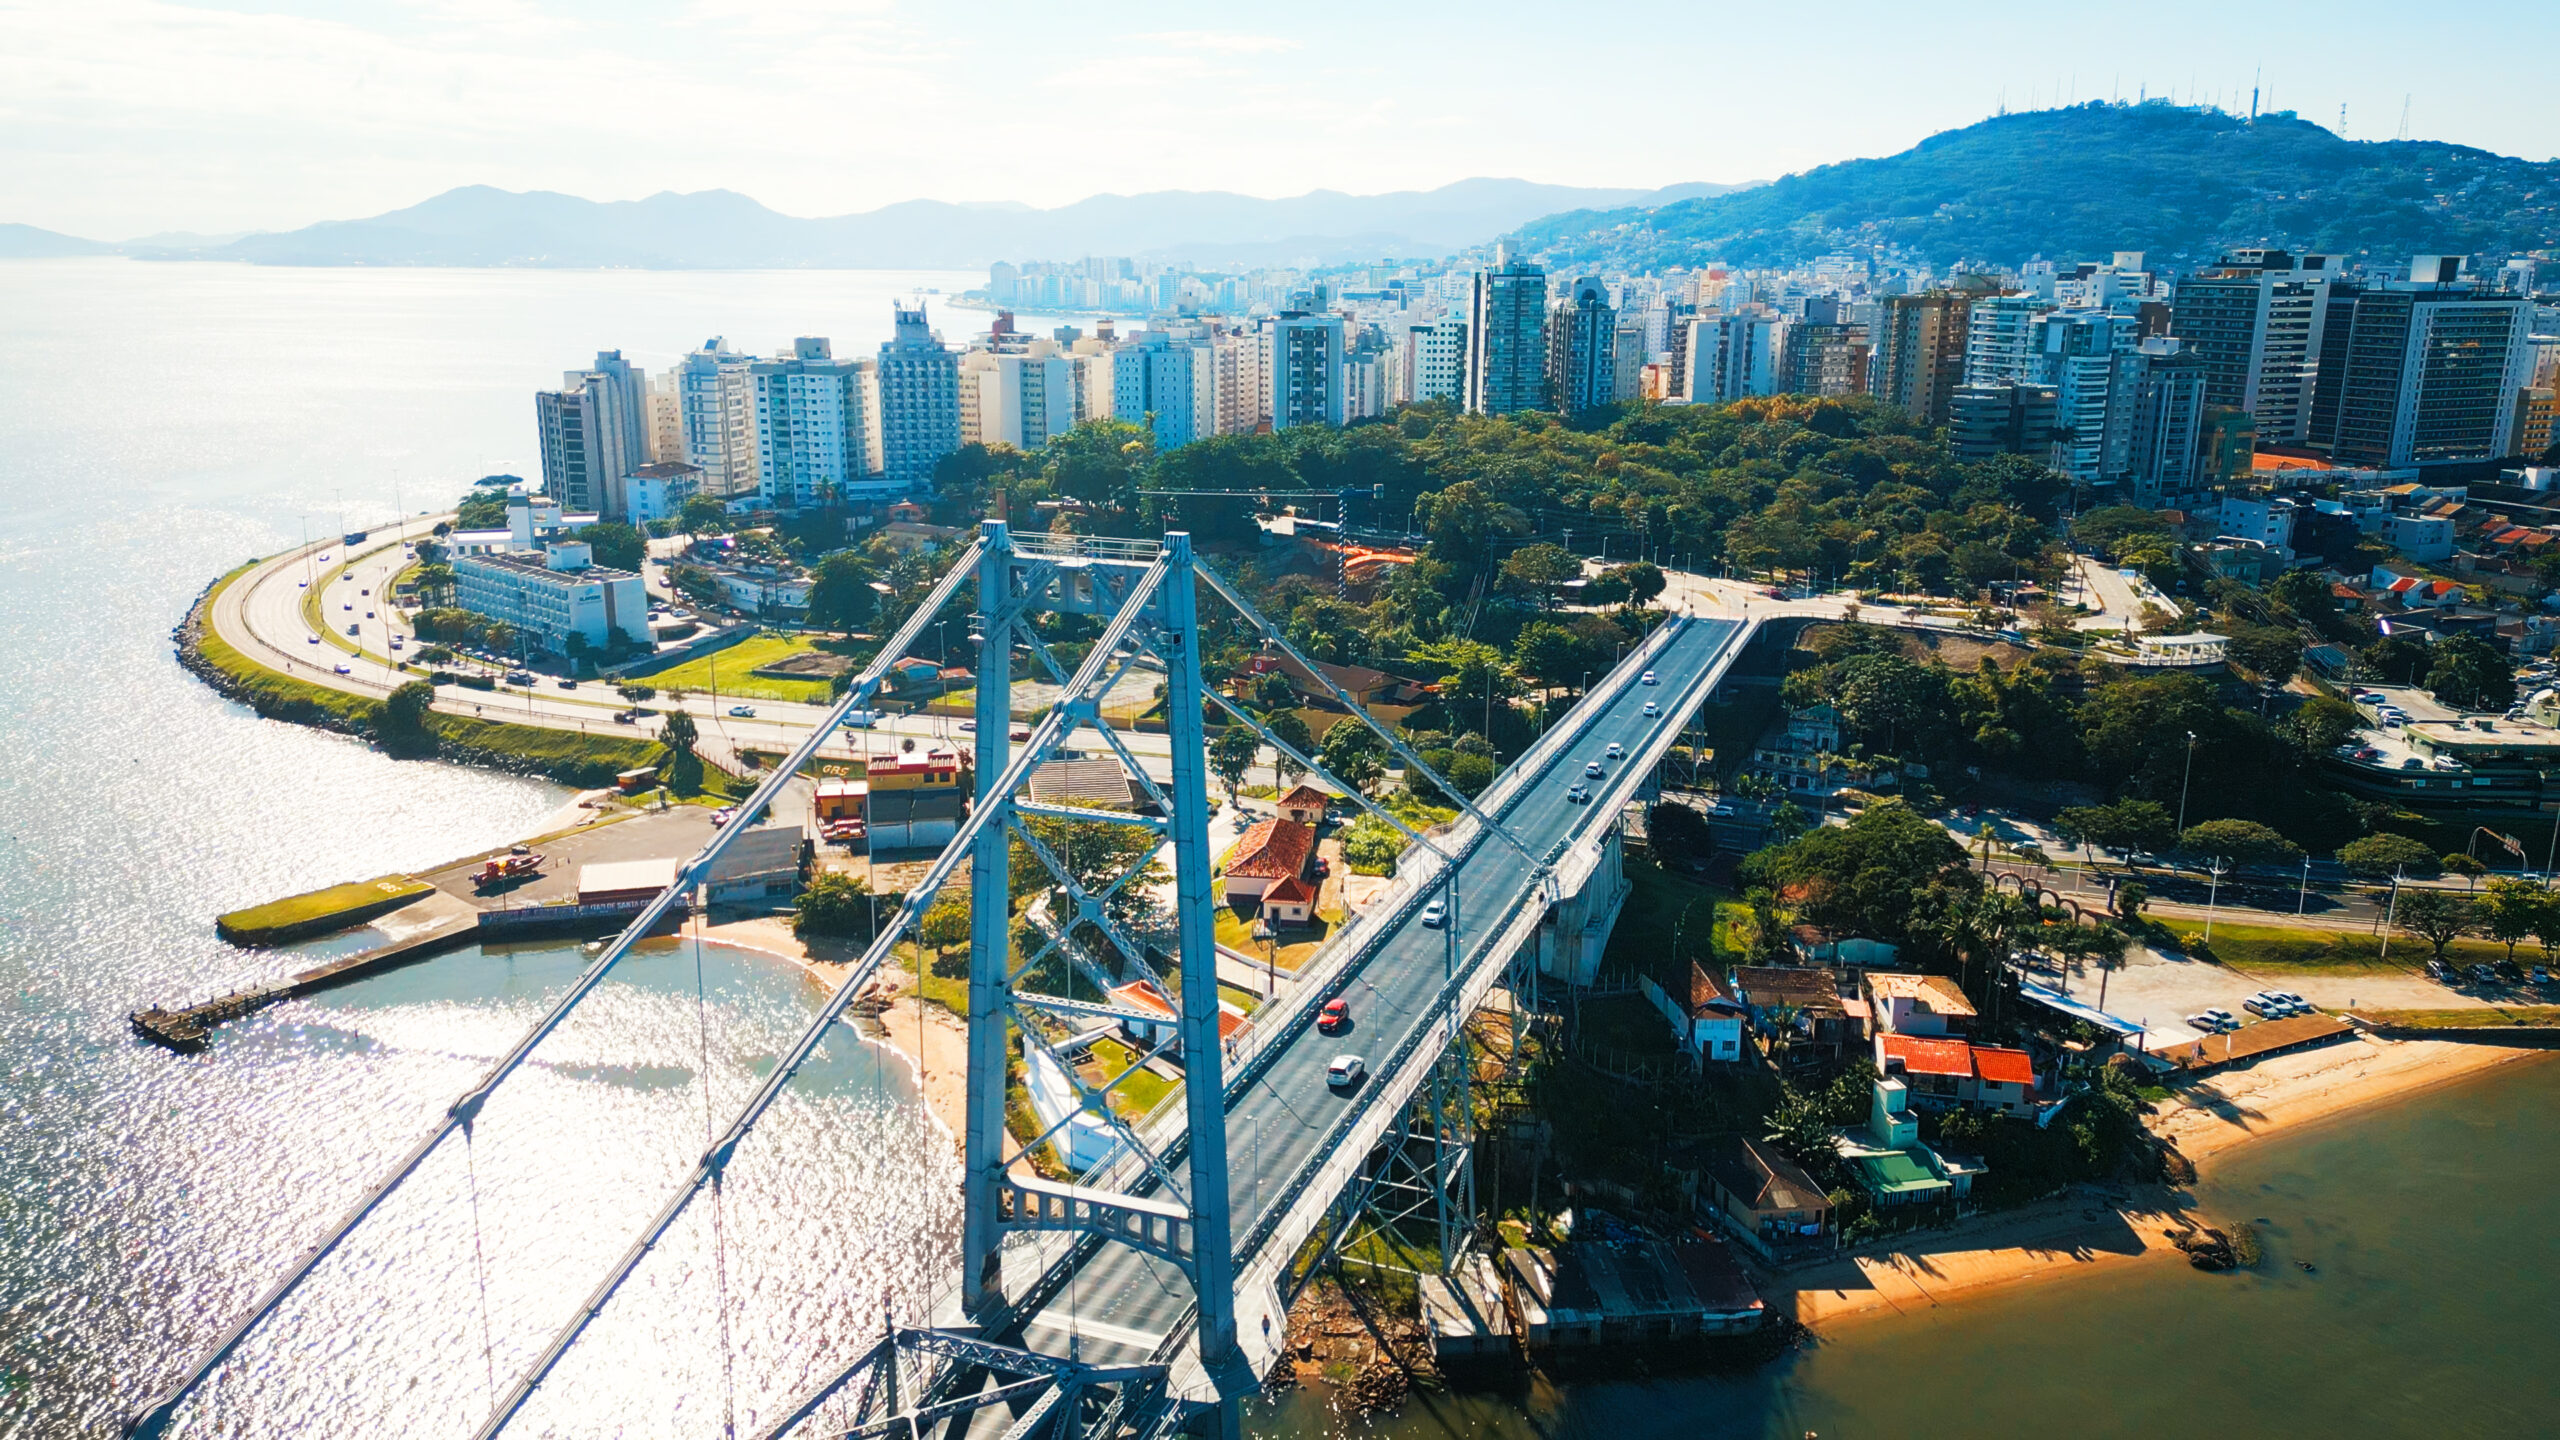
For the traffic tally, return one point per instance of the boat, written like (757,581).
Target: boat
(498,869)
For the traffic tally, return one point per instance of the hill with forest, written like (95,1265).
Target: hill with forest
(2181,183)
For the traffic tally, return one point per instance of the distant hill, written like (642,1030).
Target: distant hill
(2077,183)
(720,229)
(26,242)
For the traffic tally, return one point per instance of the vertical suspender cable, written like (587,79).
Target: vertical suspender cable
(719,1231)
(480,1265)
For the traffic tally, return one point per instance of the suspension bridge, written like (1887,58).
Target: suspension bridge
(1149,1293)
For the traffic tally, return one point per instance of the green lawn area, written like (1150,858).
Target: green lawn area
(1657,903)
(318,911)
(1135,1096)
(2534,1015)
(1235,931)
(732,668)
(2310,951)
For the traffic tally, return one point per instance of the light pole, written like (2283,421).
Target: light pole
(2217,870)
(2303,901)
(2391,911)
(2183,783)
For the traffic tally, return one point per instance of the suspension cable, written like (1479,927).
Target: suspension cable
(480,1265)
(719,1231)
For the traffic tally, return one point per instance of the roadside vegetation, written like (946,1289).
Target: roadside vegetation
(319,911)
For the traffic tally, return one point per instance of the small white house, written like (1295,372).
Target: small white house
(1709,1024)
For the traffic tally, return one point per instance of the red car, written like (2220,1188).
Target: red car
(1335,1016)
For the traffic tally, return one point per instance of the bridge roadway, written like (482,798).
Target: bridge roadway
(1122,1303)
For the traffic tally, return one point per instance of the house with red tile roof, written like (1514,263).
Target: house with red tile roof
(1273,850)
(1144,997)
(1305,805)
(1290,901)
(1945,1072)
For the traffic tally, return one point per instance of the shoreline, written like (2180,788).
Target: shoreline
(2083,1232)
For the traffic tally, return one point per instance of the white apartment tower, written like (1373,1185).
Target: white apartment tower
(1153,384)
(1306,370)
(814,438)
(716,407)
(594,431)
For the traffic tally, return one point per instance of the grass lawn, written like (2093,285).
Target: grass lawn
(1235,931)
(2310,951)
(320,910)
(1659,902)
(732,668)
(1135,1096)
(2534,1015)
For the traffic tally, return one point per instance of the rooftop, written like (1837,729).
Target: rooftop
(1761,1177)
(535,566)
(1927,1055)
(1934,993)
(1807,987)
(1271,850)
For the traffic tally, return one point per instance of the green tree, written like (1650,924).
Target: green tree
(840,593)
(1099,462)
(1272,691)
(1354,755)
(1644,581)
(1541,570)
(834,905)
(1677,834)
(2512,910)
(2466,672)
(400,725)
(2457,863)
(616,544)
(683,772)
(1231,755)
(1470,773)
(1291,727)
(2239,843)
(2270,652)
(1370,846)
(1871,877)
(1547,651)
(1800,1130)
(2131,896)
(703,515)
(2378,856)
(946,925)
(2435,916)
(2122,827)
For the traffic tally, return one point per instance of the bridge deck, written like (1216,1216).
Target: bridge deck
(1121,1304)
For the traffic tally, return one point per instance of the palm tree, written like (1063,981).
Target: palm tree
(2107,945)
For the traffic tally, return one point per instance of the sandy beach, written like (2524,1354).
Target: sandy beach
(2079,1234)
(909,1026)
(2043,1243)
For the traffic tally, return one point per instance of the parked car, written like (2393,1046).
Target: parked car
(2509,971)
(1334,1017)
(1345,1071)
(1436,914)
(2213,1018)
(2541,976)
(743,712)
(2300,1005)
(2481,975)
(2440,972)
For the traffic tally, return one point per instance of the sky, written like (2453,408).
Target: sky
(121,118)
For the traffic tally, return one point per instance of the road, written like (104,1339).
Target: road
(1123,1302)
(263,615)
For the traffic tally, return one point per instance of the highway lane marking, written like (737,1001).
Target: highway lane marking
(1098,1329)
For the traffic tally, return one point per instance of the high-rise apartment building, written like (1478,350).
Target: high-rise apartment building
(814,436)
(1306,370)
(1626,360)
(2432,369)
(2000,338)
(666,421)
(1241,362)
(593,431)
(1582,348)
(1440,359)
(2163,459)
(1825,354)
(1506,339)
(919,384)
(2255,318)
(716,404)
(2077,353)
(1735,354)
(1920,351)
(1152,385)
(1027,397)
(2008,418)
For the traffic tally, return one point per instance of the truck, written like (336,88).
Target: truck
(498,869)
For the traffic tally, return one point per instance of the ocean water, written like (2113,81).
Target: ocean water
(165,423)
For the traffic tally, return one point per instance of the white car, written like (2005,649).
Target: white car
(2215,1018)
(1577,795)
(1648,679)
(1651,710)
(346,670)
(743,712)
(1617,751)
(861,719)
(1435,914)
(1593,770)
(1345,1071)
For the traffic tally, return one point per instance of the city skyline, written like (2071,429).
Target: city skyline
(137,117)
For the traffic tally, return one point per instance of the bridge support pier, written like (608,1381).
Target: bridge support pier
(990,933)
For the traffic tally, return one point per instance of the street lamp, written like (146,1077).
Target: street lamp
(2303,900)
(2182,784)
(2217,870)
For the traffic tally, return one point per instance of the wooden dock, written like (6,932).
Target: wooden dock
(186,1030)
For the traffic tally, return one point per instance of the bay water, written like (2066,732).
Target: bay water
(167,422)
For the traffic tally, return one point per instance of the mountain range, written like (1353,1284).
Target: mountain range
(2182,183)
(720,229)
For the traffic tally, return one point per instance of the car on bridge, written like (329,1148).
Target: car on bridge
(1435,914)
(743,712)
(1649,679)
(1617,751)
(346,670)
(1335,1017)
(1651,710)
(1579,794)
(1593,769)
(1345,1072)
